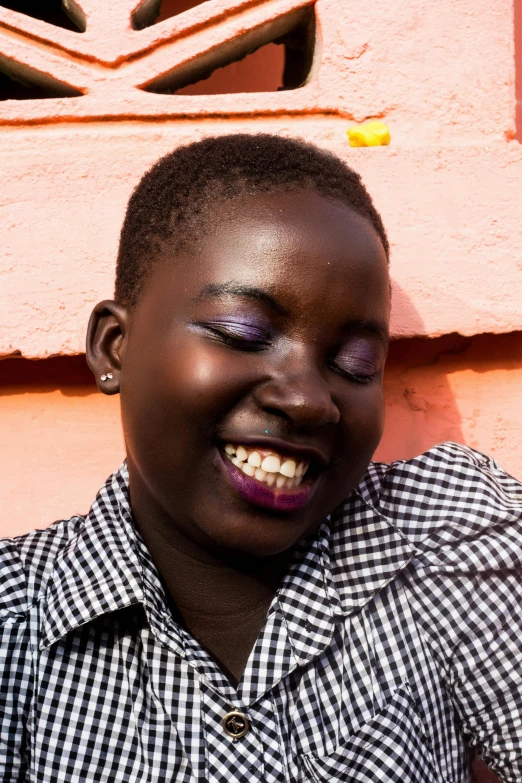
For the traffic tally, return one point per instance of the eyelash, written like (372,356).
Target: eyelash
(242,343)
(362,380)
(237,341)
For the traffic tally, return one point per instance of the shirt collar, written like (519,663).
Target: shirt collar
(366,550)
(98,570)
(353,554)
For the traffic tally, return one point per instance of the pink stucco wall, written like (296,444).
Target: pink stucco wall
(441,74)
(444,75)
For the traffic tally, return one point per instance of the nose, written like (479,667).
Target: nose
(299,391)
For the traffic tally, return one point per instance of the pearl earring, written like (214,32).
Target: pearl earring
(107,377)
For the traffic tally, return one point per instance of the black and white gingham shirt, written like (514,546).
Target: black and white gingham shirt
(393,646)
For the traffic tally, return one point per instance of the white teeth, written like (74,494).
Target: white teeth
(255,459)
(271,464)
(241,454)
(288,468)
(271,470)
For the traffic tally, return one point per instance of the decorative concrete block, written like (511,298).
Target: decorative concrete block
(440,74)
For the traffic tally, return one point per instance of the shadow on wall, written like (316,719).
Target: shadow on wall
(465,389)
(419,413)
(417,418)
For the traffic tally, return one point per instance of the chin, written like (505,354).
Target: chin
(259,538)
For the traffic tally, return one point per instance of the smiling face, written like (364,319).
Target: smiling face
(256,358)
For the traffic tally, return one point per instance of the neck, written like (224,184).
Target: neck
(203,582)
(220,597)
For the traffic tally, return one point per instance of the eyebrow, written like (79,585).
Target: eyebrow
(221,290)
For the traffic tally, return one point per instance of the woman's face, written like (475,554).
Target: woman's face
(270,340)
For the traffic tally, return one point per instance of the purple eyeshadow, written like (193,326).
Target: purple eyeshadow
(359,358)
(247,330)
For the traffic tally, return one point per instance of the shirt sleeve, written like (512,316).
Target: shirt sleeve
(486,678)
(465,588)
(15,668)
(473,626)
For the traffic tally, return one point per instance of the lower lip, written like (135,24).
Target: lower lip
(261,495)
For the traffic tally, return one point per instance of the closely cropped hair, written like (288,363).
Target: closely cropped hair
(171,202)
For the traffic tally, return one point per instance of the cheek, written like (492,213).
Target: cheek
(363,415)
(185,385)
(206,381)
(208,378)
(358,437)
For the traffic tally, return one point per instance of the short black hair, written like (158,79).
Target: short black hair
(171,201)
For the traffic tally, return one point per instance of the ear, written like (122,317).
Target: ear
(106,340)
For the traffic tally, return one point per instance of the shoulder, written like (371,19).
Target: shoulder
(462,514)
(449,493)
(26,563)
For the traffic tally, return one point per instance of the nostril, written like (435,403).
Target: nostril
(277,412)
(305,404)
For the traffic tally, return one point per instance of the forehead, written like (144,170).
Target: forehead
(309,251)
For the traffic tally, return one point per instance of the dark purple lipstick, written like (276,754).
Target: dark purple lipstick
(267,497)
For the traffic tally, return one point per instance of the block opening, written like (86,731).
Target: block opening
(151,12)
(61,13)
(277,56)
(21,82)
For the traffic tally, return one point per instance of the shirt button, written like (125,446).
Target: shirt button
(235,724)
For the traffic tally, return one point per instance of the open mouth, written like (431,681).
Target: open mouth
(268,467)
(267,478)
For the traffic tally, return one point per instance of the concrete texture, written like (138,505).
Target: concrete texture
(445,76)
(441,75)
(437,71)
(456,241)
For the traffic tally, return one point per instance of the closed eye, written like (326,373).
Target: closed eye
(355,368)
(241,336)
(363,379)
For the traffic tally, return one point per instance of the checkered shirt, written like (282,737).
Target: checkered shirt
(392,648)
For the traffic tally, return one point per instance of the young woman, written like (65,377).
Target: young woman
(249,598)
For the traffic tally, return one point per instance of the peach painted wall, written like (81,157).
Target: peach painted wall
(62,437)
(441,74)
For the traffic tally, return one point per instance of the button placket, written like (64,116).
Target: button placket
(230,754)
(235,724)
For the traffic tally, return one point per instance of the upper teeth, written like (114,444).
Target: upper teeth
(269,469)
